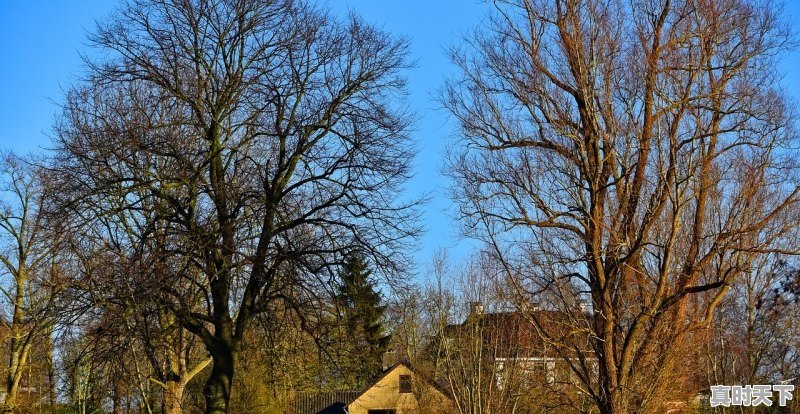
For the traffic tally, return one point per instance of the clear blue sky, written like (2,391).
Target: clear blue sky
(40,42)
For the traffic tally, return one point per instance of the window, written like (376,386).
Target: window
(382,412)
(405,384)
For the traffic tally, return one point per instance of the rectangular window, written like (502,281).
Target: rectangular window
(405,384)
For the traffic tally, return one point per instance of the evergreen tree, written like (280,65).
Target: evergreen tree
(362,311)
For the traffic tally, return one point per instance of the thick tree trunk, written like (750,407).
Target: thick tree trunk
(615,404)
(217,390)
(13,379)
(173,397)
(12,387)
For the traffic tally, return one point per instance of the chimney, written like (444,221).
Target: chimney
(389,359)
(475,308)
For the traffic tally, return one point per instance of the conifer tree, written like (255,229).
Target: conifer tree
(360,305)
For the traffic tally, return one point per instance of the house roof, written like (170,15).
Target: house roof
(539,333)
(330,402)
(439,387)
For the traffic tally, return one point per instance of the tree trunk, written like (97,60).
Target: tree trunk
(217,390)
(614,404)
(12,386)
(17,348)
(51,374)
(18,360)
(173,397)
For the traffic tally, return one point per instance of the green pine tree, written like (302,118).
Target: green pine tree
(362,313)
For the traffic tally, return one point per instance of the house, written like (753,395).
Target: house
(537,345)
(518,356)
(400,391)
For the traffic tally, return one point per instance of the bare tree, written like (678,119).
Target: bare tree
(259,142)
(100,370)
(754,336)
(639,155)
(113,281)
(477,355)
(487,352)
(28,247)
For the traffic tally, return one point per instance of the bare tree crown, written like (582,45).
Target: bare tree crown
(642,149)
(237,151)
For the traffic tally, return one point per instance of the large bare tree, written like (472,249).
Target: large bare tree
(257,142)
(639,155)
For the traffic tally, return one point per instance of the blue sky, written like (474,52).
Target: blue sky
(40,44)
